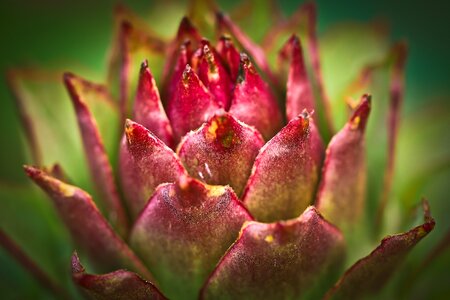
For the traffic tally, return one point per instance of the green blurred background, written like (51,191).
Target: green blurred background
(47,32)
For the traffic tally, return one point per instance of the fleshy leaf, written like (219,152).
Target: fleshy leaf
(133,43)
(192,105)
(342,189)
(221,152)
(214,76)
(184,230)
(253,103)
(183,59)
(369,274)
(101,171)
(282,260)
(88,228)
(148,109)
(299,94)
(230,56)
(145,162)
(285,173)
(226,25)
(118,285)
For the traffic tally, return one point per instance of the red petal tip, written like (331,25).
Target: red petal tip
(361,113)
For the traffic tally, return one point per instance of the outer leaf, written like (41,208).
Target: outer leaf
(86,224)
(342,189)
(285,173)
(133,43)
(281,260)
(184,230)
(101,170)
(221,152)
(299,94)
(148,109)
(230,56)
(117,285)
(192,105)
(253,103)
(370,273)
(145,162)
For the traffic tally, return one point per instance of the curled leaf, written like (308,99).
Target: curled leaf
(120,284)
(370,273)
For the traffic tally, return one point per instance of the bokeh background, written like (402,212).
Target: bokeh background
(47,32)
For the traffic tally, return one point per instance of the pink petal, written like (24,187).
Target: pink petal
(192,105)
(277,261)
(80,91)
(230,56)
(120,284)
(285,173)
(88,228)
(183,232)
(342,189)
(369,274)
(253,103)
(221,151)
(299,94)
(145,162)
(148,109)
(214,76)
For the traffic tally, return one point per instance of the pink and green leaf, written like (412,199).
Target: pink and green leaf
(88,228)
(278,260)
(369,274)
(192,104)
(286,172)
(148,109)
(221,151)
(83,92)
(184,230)
(145,162)
(253,102)
(118,285)
(342,189)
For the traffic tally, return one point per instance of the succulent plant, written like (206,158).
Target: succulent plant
(229,179)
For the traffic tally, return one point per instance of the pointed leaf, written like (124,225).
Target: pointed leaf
(133,43)
(369,274)
(42,102)
(230,55)
(192,105)
(214,76)
(285,173)
(183,232)
(221,152)
(88,228)
(101,170)
(148,109)
(183,59)
(342,189)
(226,25)
(145,162)
(281,260)
(253,103)
(120,284)
(299,94)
